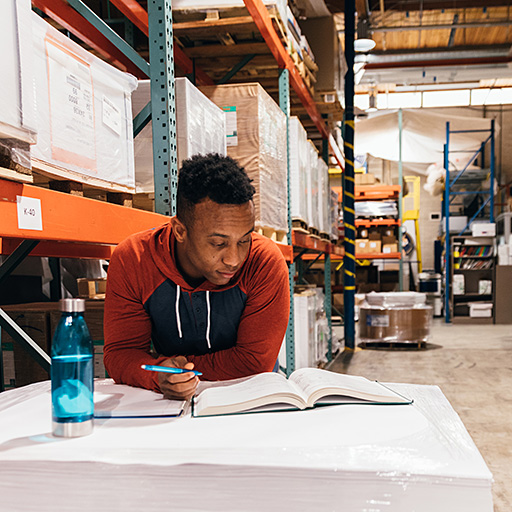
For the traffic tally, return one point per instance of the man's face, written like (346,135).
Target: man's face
(217,242)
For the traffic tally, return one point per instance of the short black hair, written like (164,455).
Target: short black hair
(213,176)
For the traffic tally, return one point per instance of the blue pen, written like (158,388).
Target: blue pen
(167,369)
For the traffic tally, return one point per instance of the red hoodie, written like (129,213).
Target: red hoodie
(226,331)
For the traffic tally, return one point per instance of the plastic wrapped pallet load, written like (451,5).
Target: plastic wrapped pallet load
(399,317)
(299,170)
(312,191)
(17,98)
(200,129)
(334,214)
(256,138)
(324,198)
(84,120)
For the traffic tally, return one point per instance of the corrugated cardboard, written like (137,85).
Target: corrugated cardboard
(256,139)
(374,246)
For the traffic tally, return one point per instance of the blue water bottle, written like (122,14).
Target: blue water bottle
(72,372)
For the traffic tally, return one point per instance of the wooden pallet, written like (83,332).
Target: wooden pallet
(273,234)
(393,345)
(314,233)
(300,225)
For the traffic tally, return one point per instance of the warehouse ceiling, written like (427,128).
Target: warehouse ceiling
(429,44)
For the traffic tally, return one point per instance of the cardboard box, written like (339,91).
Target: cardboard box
(374,246)
(485,287)
(480,310)
(459,287)
(483,229)
(362,245)
(92,288)
(389,239)
(374,234)
(365,179)
(389,248)
(256,139)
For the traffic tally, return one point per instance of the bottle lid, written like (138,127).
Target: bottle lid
(72,305)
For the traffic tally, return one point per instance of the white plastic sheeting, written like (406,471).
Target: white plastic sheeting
(351,457)
(84,119)
(423,136)
(200,129)
(299,169)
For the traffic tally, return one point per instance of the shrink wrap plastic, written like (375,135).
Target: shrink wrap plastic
(200,129)
(84,119)
(417,457)
(324,197)
(401,317)
(299,169)
(256,139)
(17,98)
(334,214)
(313,220)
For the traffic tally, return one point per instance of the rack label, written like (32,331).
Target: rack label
(377,320)
(231,127)
(29,213)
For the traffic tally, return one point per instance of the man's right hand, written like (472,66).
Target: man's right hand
(178,386)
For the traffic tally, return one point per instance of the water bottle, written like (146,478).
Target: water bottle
(72,372)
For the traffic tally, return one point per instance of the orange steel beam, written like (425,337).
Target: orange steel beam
(261,18)
(65,15)
(60,249)
(139,17)
(70,218)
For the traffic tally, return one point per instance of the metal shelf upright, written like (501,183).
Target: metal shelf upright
(468,178)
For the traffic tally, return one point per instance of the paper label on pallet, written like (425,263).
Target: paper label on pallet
(377,320)
(72,121)
(29,213)
(231,126)
(112,116)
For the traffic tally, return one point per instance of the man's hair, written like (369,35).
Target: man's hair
(213,176)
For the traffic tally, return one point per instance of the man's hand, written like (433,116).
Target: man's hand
(178,386)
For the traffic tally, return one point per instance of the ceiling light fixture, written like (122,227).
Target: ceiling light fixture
(364,43)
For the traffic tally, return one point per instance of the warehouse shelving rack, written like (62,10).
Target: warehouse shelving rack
(468,179)
(156,23)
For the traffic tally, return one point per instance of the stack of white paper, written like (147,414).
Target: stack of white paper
(401,458)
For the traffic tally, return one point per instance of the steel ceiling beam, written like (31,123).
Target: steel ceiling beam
(444,26)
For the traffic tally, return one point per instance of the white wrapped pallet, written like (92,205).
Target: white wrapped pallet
(334,214)
(84,120)
(200,129)
(324,198)
(256,139)
(299,169)
(17,92)
(313,220)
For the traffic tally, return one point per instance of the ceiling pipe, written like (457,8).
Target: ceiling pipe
(475,61)
(450,26)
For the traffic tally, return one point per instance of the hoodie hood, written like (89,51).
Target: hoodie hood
(162,247)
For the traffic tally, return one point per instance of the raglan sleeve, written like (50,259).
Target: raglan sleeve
(262,325)
(127,325)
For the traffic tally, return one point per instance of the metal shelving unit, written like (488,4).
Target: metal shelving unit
(156,23)
(463,183)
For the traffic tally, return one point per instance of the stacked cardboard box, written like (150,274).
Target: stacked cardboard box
(256,138)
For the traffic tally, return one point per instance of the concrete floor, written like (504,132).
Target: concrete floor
(472,364)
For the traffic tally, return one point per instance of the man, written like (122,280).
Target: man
(210,294)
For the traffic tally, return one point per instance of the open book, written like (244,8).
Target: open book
(120,401)
(307,387)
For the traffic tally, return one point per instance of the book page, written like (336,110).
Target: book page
(317,383)
(120,401)
(256,391)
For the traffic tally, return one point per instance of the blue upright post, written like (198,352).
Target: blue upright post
(327,263)
(446,205)
(349,260)
(284,103)
(163,111)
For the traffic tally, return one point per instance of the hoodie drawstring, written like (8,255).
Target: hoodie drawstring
(178,319)
(208,319)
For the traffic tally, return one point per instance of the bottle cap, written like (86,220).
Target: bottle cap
(72,305)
